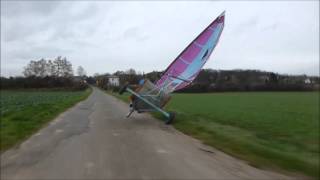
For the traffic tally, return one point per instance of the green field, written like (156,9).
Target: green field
(24,112)
(268,129)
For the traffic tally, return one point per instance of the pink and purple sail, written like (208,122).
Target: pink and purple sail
(185,68)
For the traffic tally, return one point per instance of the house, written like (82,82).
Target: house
(80,79)
(264,78)
(113,80)
(307,81)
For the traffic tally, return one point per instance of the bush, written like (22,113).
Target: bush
(115,89)
(42,82)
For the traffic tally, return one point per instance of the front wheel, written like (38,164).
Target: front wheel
(170,118)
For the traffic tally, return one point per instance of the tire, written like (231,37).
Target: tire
(171,118)
(123,88)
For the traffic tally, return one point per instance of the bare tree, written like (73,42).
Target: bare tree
(59,67)
(63,68)
(81,72)
(131,71)
(36,68)
(42,67)
(67,68)
(51,68)
(29,70)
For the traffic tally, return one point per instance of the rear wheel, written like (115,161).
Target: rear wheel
(170,118)
(123,88)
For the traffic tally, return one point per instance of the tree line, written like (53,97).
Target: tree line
(210,80)
(59,67)
(58,73)
(46,73)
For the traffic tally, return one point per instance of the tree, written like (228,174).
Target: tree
(81,72)
(60,67)
(51,68)
(118,73)
(273,78)
(36,68)
(131,71)
(30,69)
(63,68)
(67,68)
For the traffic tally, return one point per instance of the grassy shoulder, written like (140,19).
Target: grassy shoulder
(25,112)
(277,130)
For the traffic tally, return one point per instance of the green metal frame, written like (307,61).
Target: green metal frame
(166,114)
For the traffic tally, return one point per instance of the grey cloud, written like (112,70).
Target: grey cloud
(134,33)
(108,36)
(246,25)
(131,32)
(271,27)
(20,30)
(63,24)
(23,54)
(22,8)
(253,21)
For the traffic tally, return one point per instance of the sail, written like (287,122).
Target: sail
(185,68)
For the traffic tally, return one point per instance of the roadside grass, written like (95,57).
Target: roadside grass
(124,97)
(277,130)
(24,112)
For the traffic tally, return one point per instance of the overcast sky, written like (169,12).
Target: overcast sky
(105,36)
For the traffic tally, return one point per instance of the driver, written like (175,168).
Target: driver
(132,97)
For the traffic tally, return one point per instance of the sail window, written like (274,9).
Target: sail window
(205,54)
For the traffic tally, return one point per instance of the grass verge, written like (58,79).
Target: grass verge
(277,130)
(25,112)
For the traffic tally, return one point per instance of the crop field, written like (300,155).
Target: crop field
(23,112)
(268,129)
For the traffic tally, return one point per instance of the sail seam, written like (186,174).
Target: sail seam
(184,61)
(211,28)
(197,44)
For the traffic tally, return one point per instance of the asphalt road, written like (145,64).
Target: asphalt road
(94,140)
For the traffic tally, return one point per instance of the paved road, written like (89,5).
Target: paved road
(93,140)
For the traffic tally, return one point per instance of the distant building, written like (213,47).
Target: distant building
(79,79)
(307,81)
(113,80)
(264,78)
